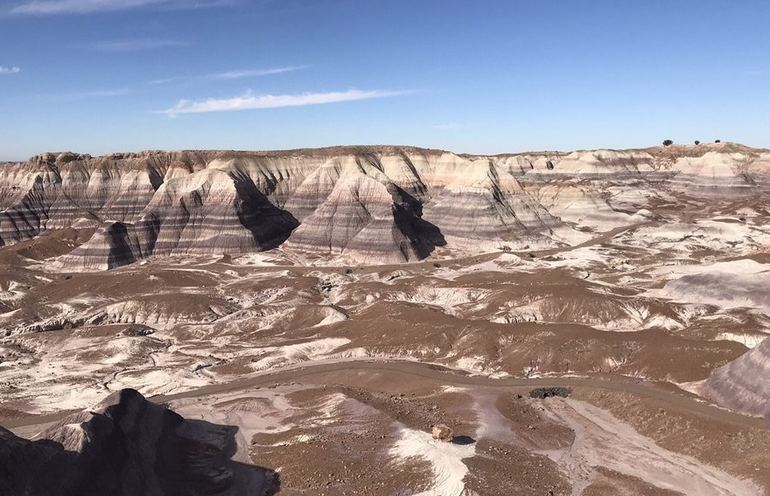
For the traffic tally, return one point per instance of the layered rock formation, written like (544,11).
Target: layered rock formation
(742,384)
(372,204)
(354,208)
(128,446)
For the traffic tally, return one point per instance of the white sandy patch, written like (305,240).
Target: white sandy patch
(477,365)
(448,299)
(585,258)
(332,316)
(570,236)
(743,266)
(50,381)
(736,238)
(747,212)
(253,412)
(748,340)
(260,259)
(446,459)
(741,283)
(67,397)
(663,322)
(154,382)
(298,352)
(15,291)
(694,387)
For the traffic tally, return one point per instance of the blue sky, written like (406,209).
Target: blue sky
(482,76)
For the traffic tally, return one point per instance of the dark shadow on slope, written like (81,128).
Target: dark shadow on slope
(424,236)
(269,225)
(125,243)
(119,245)
(148,229)
(407,213)
(128,446)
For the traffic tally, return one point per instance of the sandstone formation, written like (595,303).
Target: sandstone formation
(367,204)
(128,446)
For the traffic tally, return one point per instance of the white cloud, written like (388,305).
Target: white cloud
(53,7)
(9,70)
(136,45)
(255,72)
(250,102)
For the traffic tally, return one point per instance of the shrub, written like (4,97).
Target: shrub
(550,392)
(667,142)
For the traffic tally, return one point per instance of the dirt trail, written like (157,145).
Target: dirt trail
(597,437)
(442,376)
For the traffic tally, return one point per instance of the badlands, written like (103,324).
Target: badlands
(298,322)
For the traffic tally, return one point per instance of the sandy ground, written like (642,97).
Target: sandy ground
(384,411)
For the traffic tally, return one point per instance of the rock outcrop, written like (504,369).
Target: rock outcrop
(128,446)
(742,384)
(367,204)
(442,432)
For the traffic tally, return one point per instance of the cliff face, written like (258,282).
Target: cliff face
(372,204)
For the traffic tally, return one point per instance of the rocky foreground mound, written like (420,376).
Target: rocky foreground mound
(366,204)
(128,446)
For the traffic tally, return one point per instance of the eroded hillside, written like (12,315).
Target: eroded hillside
(345,299)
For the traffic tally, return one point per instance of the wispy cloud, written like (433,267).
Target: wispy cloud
(251,102)
(230,75)
(54,7)
(9,70)
(85,95)
(137,45)
(448,126)
(256,72)
(156,82)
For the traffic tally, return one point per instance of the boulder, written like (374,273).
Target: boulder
(442,432)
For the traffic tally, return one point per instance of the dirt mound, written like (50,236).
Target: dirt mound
(128,446)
